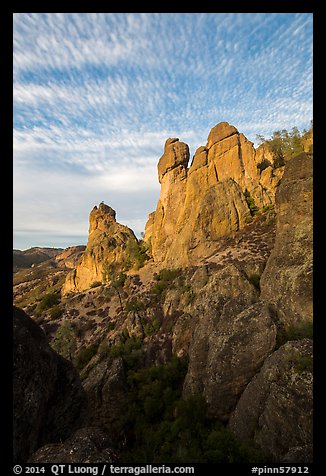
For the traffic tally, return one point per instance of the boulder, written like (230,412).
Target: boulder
(219,132)
(175,154)
(199,160)
(225,353)
(275,409)
(232,336)
(87,445)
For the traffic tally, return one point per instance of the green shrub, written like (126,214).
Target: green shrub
(304,363)
(110,326)
(48,301)
(64,341)
(56,312)
(190,297)
(95,284)
(278,162)
(284,145)
(130,351)
(85,355)
(255,280)
(159,287)
(164,428)
(298,331)
(134,305)
(136,254)
(184,288)
(165,279)
(251,203)
(77,328)
(119,280)
(151,326)
(267,208)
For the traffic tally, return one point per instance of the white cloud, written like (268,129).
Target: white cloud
(60,203)
(96,95)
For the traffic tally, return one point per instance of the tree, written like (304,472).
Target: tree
(260,139)
(284,145)
(117,284)
(136,252)
(65,341)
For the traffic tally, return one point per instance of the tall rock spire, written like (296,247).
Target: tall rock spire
(206,201)
(106,246)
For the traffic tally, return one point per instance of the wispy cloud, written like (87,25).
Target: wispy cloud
(96,95)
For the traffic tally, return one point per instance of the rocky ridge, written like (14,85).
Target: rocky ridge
(248,349)
(33,256)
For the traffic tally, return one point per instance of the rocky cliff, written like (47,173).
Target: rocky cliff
(207,347)
(49,401)
(105,250)
(275,410)
(287,278)
(210,199)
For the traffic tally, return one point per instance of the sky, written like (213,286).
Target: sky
(95,96)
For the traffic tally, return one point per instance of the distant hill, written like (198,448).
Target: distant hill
(35,255)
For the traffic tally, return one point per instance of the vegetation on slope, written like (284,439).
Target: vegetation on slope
(284,145)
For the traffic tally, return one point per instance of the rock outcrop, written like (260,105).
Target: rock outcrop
(287,279)
(200,204)
(106,247)
(70,256)
(232,336)
(87,445)
(49,401)
(106,389)
(275,409)
(176,154)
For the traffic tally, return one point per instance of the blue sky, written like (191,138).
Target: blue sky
(96,96)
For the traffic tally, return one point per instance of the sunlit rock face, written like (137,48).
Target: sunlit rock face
(106,245)
(206,201)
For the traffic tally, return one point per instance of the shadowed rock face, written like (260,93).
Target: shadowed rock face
(106,389)
(106,244)
(287,279)
(87,445)
(49,401)
(202,203)
(275,410)
(226,352)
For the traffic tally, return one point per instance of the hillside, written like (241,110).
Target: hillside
(32,256)
(194,344)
